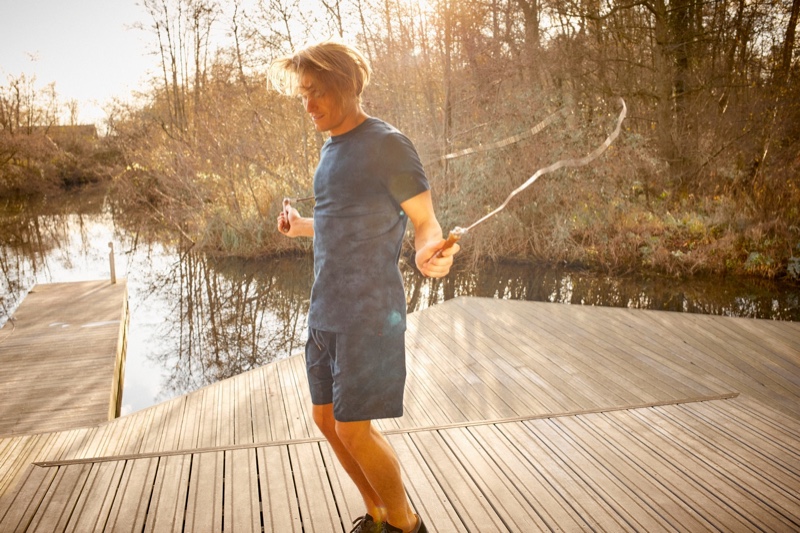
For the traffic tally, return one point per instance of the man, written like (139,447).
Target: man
(368,183)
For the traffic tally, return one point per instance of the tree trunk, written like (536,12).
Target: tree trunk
(663,82)
(780,82)
(530,14)
(681,37)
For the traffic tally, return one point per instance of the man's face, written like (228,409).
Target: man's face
(327,113)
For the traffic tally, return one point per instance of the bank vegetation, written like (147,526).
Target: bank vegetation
(703,179)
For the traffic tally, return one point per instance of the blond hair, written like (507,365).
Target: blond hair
(332,65)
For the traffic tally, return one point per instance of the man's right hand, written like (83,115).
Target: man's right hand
(291,224)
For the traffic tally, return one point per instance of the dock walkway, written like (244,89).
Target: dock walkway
(62,357)
(520,416)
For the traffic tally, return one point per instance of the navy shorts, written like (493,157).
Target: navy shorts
(363,376)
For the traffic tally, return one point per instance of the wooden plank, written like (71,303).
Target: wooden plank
(687,478)
(209,417)
(438,388)
(514,505)
(636,354)
(100,441)
(609,387)
(293,400)
(736,349)
(662,332)
(738,445)
(767,507)
(489,349)
(177,423)
(702,494)
(59,501)
(466,363)
(582,348)
(131,504)
(561,381)
(276,409)
(86,444)
(457,485)
(278,494)
(418,411)
(425,493)
(780,337)
(168,503)
(348,500)
(18,508)
(243,417)
(474,398)
(170,431)
(72,443)
(242,493)
(95,500)
(563,479)
(191,421)
(7,445)
(303,394)
(548,497)
(558,372)
(623,503)
(259,410)
(204,504)
(609,440)
(715,355)
(149,425)
(779,362)
(780,430)
(18,455)
(422,384)
(314,495)
(126,437)
(225,421)
(64,336)
(57,445)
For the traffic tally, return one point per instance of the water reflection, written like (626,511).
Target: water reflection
(227,316)
(196,319)
(36,241)
(751,298)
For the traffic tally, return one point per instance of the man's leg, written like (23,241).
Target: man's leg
(341,370)
(378,463)
(323,417)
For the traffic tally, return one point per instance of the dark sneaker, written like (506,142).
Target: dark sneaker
(365,524)
(388,528)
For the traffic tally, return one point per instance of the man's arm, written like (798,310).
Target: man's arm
(291,224)
(428,237)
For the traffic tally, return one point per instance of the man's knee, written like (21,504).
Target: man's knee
(351,434)
(323,418)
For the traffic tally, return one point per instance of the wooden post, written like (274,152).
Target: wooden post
(111,262)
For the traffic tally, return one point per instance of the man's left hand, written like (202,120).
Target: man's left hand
(433,262)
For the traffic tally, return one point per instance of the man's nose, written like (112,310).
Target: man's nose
(310,104)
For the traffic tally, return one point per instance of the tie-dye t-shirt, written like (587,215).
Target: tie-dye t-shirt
(362,178)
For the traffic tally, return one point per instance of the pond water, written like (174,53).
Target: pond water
(196,319)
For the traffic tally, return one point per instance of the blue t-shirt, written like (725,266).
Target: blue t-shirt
(362,177)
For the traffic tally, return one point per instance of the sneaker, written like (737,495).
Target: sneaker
(365,524)
(388,528)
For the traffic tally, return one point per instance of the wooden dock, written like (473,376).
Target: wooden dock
(520,416)
(62,357)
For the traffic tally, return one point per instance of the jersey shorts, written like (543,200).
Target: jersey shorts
(362,375)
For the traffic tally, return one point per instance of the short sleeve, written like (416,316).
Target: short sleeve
(405,176)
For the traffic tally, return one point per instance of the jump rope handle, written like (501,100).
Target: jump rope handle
(285,226)
(453,237)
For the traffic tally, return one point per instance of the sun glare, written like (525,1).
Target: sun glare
(422,6)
